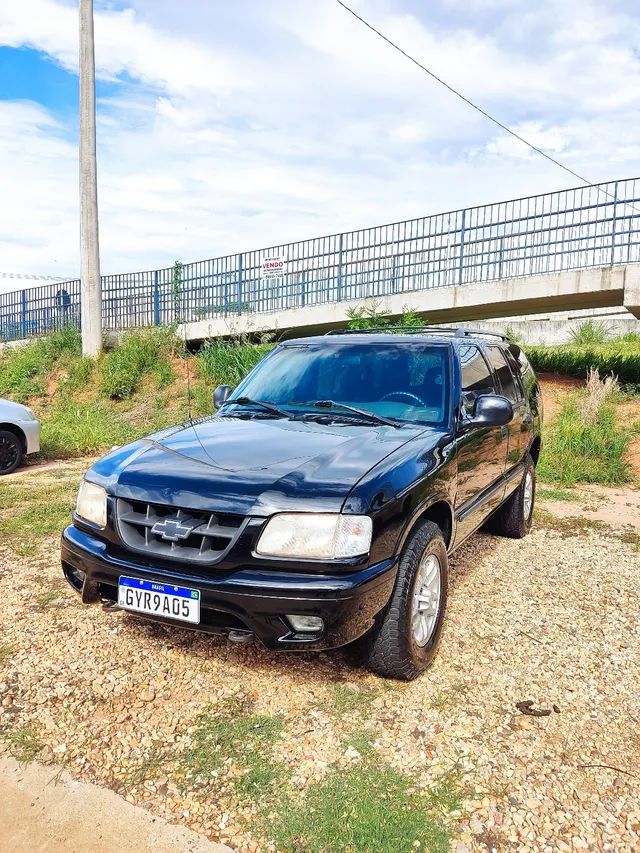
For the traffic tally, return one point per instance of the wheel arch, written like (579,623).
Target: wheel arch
(534,449)
(440,511)
(17,432)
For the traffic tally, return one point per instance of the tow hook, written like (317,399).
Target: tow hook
(239,636)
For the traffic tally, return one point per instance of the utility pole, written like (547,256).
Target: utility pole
(91,296)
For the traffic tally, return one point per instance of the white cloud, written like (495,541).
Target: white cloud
(242,125)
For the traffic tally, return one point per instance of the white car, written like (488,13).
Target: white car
(19,435)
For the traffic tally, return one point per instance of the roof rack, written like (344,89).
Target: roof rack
(422,330)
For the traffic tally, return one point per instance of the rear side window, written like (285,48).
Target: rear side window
(508,385)
(526,371)
(476,376)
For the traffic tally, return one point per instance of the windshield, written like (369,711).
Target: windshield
(408,382)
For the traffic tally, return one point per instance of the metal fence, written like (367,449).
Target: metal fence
(592,226)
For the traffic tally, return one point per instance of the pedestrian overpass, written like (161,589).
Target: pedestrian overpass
(574,249)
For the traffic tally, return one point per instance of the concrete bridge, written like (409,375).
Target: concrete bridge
(574,249)
(576,289)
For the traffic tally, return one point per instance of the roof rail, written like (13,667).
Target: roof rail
(457,332)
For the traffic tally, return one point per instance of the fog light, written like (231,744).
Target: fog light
(306,624)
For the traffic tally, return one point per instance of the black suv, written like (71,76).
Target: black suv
(318,505)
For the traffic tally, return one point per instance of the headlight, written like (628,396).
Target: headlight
(29,416)
(92,503)
(326,536)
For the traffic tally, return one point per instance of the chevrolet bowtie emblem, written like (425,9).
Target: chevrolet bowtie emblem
(175,529)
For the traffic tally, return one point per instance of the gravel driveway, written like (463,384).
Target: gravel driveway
(551,620)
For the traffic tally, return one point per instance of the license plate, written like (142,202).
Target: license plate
(159,599)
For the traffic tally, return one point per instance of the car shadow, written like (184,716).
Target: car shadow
(336,665)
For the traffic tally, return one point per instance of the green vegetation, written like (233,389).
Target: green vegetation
(138,354)
(227,362)
(618,356)
(30,511)
(371,316)
(233,732)
(576,451)
(591,333)
(363,809)
(22,742)
(24,370)
(554,494)
(347,699)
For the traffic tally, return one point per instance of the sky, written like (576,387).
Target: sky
(229,125)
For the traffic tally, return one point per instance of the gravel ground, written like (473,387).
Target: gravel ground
(552,619)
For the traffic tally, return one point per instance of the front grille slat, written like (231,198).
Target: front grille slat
(196,536)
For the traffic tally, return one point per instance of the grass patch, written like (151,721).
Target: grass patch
(572,525)
(228,362)
(138,353)
(234,733)
(30,512)
(349,699)
(579,452)
(22,743)
(363,809)
(72,428)
(547,493)
(25,369)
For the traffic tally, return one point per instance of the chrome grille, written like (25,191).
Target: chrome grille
(174,533)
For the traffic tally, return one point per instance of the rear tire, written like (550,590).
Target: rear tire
(11,452)
(514,518)
(405,640)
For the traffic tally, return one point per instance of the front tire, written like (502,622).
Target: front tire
(514,518)
(403,644)
(11,452)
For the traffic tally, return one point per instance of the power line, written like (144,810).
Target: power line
(467,100)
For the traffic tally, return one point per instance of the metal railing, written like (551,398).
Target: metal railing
(590,226)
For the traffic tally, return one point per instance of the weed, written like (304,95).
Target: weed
(47,597)
(371,316)
(22,743)
(24,549)
(590,333)
(156,759)
(440,702)
(597,391)
(363,809)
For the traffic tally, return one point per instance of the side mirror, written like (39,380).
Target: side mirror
(221,395)
(491,410)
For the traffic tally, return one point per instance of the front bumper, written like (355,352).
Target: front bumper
(245,599)
(31,430)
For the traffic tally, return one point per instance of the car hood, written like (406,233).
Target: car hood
(251,466)
(14,411)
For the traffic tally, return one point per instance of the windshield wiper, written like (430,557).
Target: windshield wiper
(331,404)
(247,401)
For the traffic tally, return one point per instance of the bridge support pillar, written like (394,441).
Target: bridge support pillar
(631,296)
